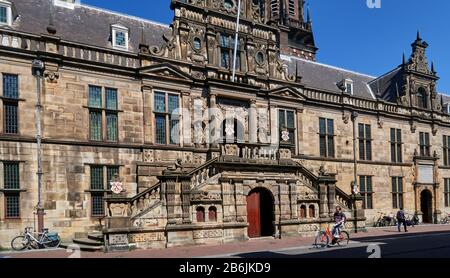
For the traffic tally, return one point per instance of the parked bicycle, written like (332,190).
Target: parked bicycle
(412,221)
(324,238)
(446,220)
(42,240)
(385,220)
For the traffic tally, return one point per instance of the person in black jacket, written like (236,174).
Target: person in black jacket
(401,219)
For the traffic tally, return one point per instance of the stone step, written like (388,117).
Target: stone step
(96,236)
(81,247)
(87,241)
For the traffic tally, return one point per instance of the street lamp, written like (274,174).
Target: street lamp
(38,73)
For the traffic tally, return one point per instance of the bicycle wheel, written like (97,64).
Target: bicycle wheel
(48,243)
(322,240)
(19,243)
(344,238)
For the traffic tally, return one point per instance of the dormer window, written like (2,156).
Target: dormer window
(349,86)
(5,13)
(120,37)
(422,98)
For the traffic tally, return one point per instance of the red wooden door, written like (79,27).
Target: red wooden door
(254,215)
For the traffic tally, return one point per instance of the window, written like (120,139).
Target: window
(120,37)
(227,52)
(10,103)
(286,121)
(274,7)
(100,184)
(197,44)
(292,7)
(97,110)
(11,184)
(422,98)
(326,136)
(348,86)
(447,192)
(424,143)
(167,118)
(232,131)
(5,13)
(312,211)
(396,145)
(365,183)
(303,211)
(365,142)
(446,152)
(200,214)
(228,4)
(212,214)
(397,192)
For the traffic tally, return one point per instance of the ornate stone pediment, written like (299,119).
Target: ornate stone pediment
(205,197)
(287,93)
(165,70)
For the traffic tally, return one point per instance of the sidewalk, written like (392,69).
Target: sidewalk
(254,245)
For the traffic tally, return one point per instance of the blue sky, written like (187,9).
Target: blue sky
(349,34)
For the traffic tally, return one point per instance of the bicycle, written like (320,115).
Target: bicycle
(323,238)
(28,241)
(446,220)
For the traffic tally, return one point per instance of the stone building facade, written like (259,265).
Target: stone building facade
(202,156)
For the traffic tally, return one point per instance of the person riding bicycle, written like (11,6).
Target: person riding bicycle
(339,219)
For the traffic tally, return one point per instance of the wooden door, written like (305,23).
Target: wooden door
(254,215)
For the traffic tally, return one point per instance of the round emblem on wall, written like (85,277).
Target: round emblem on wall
(116,187)
(285,135)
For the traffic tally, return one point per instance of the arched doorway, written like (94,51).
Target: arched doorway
(260,213)
(426,206)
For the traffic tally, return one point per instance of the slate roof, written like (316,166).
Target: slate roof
(326,77)
(85,24)
(388,85)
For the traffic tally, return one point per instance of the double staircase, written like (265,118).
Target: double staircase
(92,243)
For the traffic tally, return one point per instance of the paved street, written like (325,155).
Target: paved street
(431,241)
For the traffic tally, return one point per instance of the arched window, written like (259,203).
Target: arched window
(422,98)
(200,214)
(303,211)
(212,214)
(312,211)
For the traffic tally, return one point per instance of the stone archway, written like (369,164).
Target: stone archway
(260,213)
(426,206)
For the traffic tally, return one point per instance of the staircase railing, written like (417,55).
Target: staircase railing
(203,172)
(344,199)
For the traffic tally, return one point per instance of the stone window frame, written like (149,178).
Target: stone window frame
(291,130)
(13,101)
(105,112)
(446,150)
(100,192)
(424,144)
(12,191)
(398,192)
(200,214)
(229,48)
(396,145)
(303,211)
(330,150)
(447,192)
(116,28)
(9,12)
(167,117)
(365,193)
(365,142)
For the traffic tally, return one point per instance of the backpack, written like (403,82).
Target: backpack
(400,215)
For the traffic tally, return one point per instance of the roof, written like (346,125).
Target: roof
(326,77)
(388,86)
(85,24)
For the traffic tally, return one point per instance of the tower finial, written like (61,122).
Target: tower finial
(404,59)
(308,14)
(51,29)
(418,35)
(432,68)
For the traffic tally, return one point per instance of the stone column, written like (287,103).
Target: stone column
(147,94)
(253,123)
(293,199)
(299,145)
(323,205)
(186,122)
(214,125)
(331,198)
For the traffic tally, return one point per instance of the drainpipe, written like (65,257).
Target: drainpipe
(355,167)
(38,72)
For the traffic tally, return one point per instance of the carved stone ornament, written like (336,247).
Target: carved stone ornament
(206,196)
(229,130)
(118,210)
(51,76)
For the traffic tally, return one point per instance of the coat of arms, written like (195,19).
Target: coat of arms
(116,185)
(285,135)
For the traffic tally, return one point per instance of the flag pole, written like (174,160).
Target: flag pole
(236,41)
